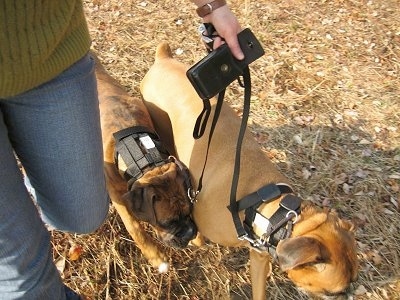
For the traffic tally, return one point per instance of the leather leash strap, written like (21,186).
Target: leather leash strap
(241,232)
(200,127)
(199,130)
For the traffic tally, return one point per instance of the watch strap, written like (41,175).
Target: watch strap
(208,8)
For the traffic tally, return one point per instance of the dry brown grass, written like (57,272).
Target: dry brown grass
(326,109)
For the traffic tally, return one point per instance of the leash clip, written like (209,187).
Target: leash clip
(245,237)
(206,31)
(192,194)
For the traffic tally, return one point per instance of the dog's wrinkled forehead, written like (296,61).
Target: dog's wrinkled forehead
(159,196)
(170,206)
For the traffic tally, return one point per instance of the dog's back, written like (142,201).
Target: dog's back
(183,105)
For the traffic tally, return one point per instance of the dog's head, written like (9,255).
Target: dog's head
(160,198)
(320,257)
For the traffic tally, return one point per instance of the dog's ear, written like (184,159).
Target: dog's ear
(163,51)
(347,225)
(298,251)
(140,201)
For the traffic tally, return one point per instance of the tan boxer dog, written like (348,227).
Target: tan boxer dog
(159,197)
(319,256)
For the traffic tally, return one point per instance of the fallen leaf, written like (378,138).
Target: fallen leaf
(359,219)
(340,178)
(297,139)
(394,176)
(346,188)
(366,152)
(364,142)
(376,258)
(60,264)
(387,211)
(395,202)
(361,174)
(394,186)
(326,202)
(298,120)
(360,290)
(75,252)
(306,173)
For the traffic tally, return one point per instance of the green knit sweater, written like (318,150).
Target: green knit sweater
(38,40)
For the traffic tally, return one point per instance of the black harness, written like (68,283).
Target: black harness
(141,150)
(275,228)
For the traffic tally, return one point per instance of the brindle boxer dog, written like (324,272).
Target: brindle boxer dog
(159,196)
(319,256)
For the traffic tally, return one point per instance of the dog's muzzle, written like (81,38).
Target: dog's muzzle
(179,234)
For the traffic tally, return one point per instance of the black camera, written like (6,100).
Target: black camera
(220,68)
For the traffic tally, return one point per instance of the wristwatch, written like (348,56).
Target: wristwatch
(208,8)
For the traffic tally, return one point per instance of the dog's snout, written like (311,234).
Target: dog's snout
(344,294)
(187,232)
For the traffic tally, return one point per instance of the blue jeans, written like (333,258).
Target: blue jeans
(55,131)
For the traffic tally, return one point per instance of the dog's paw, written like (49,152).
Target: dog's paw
(198,241)
(163,267)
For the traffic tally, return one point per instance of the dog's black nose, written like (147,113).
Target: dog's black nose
(188,231)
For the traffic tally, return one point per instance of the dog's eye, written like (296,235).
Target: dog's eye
(155,198)
(169,224)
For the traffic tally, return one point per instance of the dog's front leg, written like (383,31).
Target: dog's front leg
(199,241)
(260,269)
(148,246)
(152,251)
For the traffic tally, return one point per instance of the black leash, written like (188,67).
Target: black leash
(241,232)
(199,130)
(200,75)
(200,127)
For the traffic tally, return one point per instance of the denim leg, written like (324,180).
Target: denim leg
(55,131)
(26,267)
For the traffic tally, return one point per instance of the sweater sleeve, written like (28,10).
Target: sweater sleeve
(38,40)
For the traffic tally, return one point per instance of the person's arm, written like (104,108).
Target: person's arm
(224,21)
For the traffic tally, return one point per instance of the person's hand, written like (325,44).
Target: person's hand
(227,27)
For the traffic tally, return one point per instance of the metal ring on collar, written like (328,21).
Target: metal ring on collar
(296,216)
(192,195)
